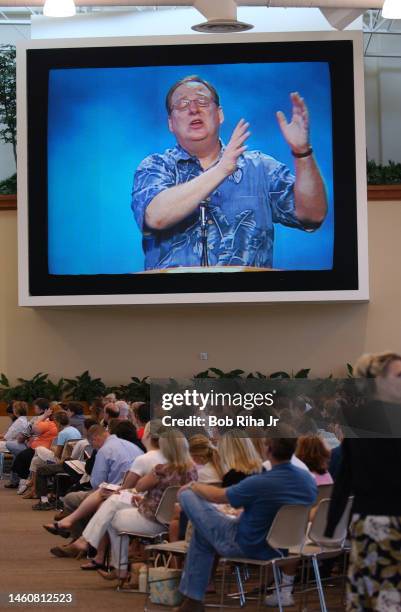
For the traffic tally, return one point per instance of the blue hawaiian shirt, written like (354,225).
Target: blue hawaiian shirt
(241,211)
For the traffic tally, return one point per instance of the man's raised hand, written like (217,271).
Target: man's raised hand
(296,133)
(235,147)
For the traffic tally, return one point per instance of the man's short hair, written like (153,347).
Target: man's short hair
(112,411)
(142,412)
(42,403)
(193,78)
(283,445)
(61,418)
(75,408)
(96,430)
(89,422)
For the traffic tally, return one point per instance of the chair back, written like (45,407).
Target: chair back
(318,527)
(165,509)
(288,529)
(68,448)
(323,492)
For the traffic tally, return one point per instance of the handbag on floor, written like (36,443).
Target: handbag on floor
(163,585)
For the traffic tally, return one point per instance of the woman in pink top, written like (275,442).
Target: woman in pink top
(316,456)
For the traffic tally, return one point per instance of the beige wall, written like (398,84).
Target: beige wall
(116,343)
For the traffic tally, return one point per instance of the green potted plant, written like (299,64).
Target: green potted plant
(84,388)
(384,180)
(8,119)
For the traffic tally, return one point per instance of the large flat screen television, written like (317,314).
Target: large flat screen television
(192,169)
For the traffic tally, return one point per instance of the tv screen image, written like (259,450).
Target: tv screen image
(98,141)
(248,167)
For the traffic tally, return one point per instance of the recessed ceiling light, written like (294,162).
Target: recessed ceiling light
(59,8)
(391,9)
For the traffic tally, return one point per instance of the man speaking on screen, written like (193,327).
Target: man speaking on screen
(204,203)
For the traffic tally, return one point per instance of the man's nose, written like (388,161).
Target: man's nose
(193,106)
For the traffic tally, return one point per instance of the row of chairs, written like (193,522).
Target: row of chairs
(290,530)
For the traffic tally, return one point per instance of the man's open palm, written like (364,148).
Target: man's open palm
(296,133)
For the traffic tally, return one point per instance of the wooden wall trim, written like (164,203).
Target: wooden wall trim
(8,202)
(375,193)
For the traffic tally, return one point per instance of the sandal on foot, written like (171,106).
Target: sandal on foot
(93,565)
(55,529)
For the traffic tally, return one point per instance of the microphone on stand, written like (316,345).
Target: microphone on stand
(203,223)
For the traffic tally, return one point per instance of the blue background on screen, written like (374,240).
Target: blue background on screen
(103,121)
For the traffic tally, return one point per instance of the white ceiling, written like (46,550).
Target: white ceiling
(382,36)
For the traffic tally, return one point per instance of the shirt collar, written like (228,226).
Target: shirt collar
(181,154)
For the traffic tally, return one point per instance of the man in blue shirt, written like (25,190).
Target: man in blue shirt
(260,496)
(205,203)
(114,456)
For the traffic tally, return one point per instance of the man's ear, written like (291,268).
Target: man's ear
(221,115)
(170,124)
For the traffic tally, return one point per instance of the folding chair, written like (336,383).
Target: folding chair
(288,531)
(321,547)
(164,514)
(323,492)
(180,547)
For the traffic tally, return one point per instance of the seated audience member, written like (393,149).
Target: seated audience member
(141,416)
(46,464)
(207,460)
(110,398)
(261,496)
(141,466)
(110,412)
(44,455)
(114,456)
(44,431)
(116,514)
(96,409)
(238,457)
(78,452)
(316,456)
(76,415)
(126,431)
(20,443)
(113,459)
(19,424)
(208,466)
(145,463)
(123,410)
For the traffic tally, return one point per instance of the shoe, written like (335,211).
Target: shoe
(22,488)
(124,582)
(11,485)
(93,565)
(68,551)
(30,494)
(43,506)
(56,530)
(190,605)
(286,597)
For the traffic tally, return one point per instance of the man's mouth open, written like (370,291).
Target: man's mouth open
(196,123)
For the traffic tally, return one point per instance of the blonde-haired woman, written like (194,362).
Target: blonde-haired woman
(117,515)
(368,472)
(238,456)
(207,460)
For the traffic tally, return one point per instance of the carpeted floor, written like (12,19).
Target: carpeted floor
(26,566)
